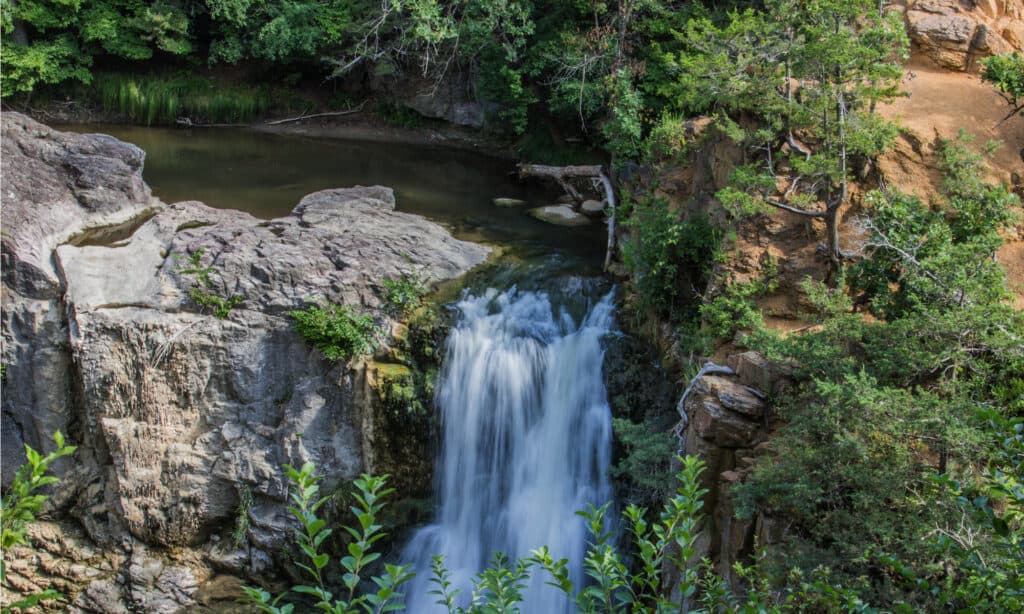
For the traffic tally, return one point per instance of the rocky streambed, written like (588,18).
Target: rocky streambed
(180,415)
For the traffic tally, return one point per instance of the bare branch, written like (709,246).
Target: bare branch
(277,122)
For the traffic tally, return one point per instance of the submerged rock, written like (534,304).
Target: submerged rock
(509,202)
(560,215)
(592,207)
(175,411)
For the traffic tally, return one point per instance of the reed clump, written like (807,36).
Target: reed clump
(166,99)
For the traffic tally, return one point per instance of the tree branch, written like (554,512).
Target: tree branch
(792,209)
(277,122)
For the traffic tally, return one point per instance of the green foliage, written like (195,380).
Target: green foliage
(940,256)
(340,332)
(884,407)
(1006,73)
(812,73)
(400,115)
(201,293)
(20,506)
(670,257)
(163,99)
(310,535)
(623,131)
(504,85)
(666,143)
(645,463)
(664,548)
(46,62)
(735,308)
(243,521)
(403,294)
(732,310)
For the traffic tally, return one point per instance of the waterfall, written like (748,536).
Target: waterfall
(527,442)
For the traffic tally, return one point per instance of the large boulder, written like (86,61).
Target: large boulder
(956,35)
(177,412)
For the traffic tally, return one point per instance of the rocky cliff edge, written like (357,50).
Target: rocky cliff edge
(175,411)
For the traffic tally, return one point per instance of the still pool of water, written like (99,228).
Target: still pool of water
(266,175)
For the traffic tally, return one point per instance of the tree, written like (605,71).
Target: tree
(811,72)
(1006,73)
(886,406)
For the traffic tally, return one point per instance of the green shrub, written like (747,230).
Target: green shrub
(645,466)
(1006,73)
(20,505)
(735,307)
(400,115)
(339,331)
(671,257)
(310,534)
(243,522)
(404,293)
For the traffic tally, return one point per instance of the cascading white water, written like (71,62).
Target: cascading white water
(527,442)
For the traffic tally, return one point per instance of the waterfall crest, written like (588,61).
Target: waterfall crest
(526,441)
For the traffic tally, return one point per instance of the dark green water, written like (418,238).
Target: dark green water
(267,174)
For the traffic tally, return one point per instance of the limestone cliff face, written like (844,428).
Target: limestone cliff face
(176,411)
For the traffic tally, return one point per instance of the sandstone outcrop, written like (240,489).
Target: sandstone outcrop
(174,410)
(725,418)
(957,34)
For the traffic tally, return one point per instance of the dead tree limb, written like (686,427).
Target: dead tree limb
(278,122)
(562,174)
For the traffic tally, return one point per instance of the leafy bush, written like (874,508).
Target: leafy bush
(670,257)
(243,521)
(735,308)
(645,464)
(883,406)
(339,331)
(404,293)
(310,535)
(400,115)
(20,506)
(1006,73)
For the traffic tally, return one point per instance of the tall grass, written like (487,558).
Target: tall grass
(163,99)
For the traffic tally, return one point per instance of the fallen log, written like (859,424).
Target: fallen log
(562,174)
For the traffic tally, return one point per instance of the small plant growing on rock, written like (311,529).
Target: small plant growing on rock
(200,293)
(20,506)
(243,523)
(404,293)
(339,331)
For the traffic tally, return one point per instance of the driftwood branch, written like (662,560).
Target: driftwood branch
(562,174)
(278,122)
